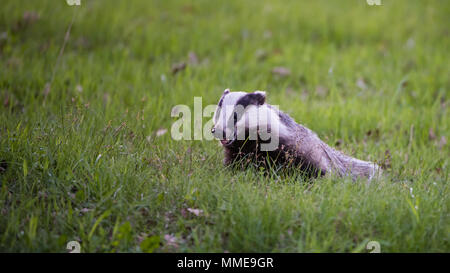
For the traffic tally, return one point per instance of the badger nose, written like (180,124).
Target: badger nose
(215,132)
(218,133)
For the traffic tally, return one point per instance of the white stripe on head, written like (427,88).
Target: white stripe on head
(241,112)
(225,110)
(262,120)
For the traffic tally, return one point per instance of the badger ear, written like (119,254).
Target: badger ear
(254,98)
(258,97)
(226,91)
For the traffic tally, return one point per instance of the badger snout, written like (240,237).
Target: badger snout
(218,133)
(226,137)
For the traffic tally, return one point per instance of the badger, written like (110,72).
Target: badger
(251,130)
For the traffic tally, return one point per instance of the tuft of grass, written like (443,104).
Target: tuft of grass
(80,158)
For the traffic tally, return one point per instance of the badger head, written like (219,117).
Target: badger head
(242,115)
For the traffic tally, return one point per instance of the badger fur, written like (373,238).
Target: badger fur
(296,145)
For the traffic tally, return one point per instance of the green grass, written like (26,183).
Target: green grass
(81,160)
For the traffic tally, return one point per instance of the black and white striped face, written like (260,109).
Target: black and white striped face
(233,110)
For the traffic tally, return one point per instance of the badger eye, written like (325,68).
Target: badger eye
(213,130)
(235,117)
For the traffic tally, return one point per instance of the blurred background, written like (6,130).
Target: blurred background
(316,53)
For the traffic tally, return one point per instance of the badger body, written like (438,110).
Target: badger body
(296,145)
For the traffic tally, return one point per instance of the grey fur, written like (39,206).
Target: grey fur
(305,150)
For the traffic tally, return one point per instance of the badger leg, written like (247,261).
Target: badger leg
(228,157)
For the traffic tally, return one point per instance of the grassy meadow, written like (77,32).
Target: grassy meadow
(86,94)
